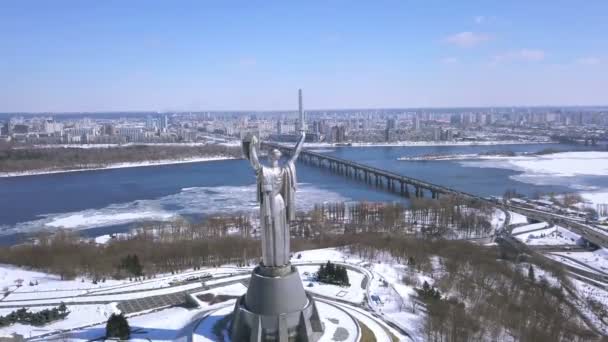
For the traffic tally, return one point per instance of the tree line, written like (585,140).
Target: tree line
(39,318)
(18,159)
(332,274)
(449,217)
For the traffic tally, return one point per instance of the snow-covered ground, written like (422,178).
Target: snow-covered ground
(117,166)
(353,293)
(164,325)
(517,218)
(498,219)
(80,315)
(324,255)
(586,293)
(550,236)
(594,198)
(51,286)
(597,259)
(10,275)
(569,262)
(385,291)
(530,227)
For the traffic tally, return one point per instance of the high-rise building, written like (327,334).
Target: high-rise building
(391,124)
(416,123)
(279,127)
(150,123)
(338,134)
(163,123)
(436,133)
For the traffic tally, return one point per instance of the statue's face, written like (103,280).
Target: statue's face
(275,155)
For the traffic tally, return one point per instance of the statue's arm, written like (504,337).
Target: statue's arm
(253,154)
(298,148)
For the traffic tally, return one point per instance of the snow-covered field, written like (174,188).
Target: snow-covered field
(550,236)
(498,219)
(594,198)
(569,262)
(9,276)
(529,228)
(80,315)
(517,218)
(353,293)
(85,322)
(164,325)
(385,291)
(597,259)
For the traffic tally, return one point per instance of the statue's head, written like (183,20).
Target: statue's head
(274,155)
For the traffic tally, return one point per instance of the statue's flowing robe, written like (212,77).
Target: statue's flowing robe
(276,195)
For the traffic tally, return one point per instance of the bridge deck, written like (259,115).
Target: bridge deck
(341,165)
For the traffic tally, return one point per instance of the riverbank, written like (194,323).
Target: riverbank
(427,143)
(114,166)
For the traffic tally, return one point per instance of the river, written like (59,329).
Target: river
(105,201)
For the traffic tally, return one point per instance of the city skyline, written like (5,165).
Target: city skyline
(118,57)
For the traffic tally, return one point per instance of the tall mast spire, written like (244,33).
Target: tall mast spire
(301,111)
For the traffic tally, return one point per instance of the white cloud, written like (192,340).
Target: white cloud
(479,19)
(526,55)
(449,60)
(467,39)
(531,55)
(588,61)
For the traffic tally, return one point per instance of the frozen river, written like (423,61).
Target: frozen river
(106,201)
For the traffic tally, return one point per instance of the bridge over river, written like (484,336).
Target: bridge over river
(412,187)
(383,179)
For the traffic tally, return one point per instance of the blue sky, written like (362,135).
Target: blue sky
(253,55)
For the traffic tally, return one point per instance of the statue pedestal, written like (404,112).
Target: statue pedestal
(276,308)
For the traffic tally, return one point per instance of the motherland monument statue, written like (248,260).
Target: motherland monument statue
(276,187)
(276,307)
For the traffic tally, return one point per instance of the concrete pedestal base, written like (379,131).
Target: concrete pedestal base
(276,308)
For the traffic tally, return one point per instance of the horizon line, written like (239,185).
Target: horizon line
(140,111)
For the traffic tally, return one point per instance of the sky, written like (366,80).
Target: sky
(127,55)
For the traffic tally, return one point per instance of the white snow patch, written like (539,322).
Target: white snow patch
(529,227)
(80,315)
(517,218)
(551,236)
(353,293)
(597,259)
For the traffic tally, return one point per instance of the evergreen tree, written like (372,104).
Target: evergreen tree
(333,274)
(136,267)
(118,327)
(427,292)
(531,273)
(62,308)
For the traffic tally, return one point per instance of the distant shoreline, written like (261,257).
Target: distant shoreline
(115,166)
(428,143)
